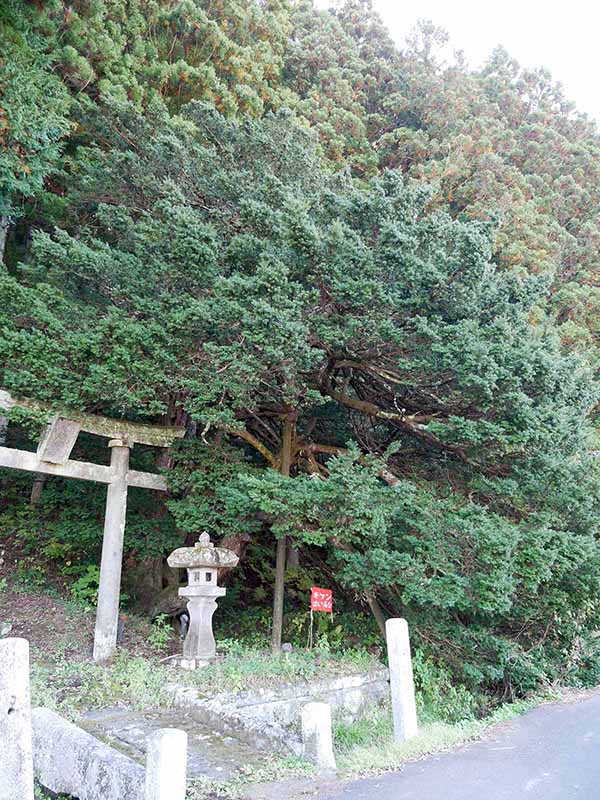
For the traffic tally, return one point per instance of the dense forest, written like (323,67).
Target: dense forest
(365,280)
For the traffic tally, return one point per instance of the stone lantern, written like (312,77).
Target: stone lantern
(202,563)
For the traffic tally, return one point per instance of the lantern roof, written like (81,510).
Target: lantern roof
(202,554)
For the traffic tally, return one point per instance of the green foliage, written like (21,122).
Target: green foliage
(161,633)
(30,421)
(72,686)
(374,725)
(41,794)
(250,629)
(195,482)
(271,768)
(368,746)
(33,113)
(229,55)
(326,635)
(64,530)
(84,590)
(31,576)
(438,697)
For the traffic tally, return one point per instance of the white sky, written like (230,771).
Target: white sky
(562,36)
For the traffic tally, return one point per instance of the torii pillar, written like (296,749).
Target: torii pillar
(107,613)
(52,458)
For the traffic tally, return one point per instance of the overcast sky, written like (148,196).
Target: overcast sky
(562,36)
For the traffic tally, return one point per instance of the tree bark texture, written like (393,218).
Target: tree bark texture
(287,437)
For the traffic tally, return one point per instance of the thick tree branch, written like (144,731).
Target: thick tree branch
(388,378)
(256,444)
(400,420)
(385,474)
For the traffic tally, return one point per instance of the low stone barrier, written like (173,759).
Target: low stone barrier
(67,760)
(270,719)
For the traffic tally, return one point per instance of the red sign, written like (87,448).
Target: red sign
(321,599)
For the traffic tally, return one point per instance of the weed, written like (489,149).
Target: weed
(374,725)
(71,686)
(85,589)
(29,575)
(41,794)
(161,633)
(439,699)
(368,746)
(246,668)
(272,768)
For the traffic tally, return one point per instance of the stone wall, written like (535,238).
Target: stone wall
(269,719)
(68,760)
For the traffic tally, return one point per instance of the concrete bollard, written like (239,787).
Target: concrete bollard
(402,686)
(16,762)
(166,765)
(317,746)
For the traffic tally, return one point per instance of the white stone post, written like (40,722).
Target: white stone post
(317,745)
(107,614)
(401,679)
(166,765)
(16,763)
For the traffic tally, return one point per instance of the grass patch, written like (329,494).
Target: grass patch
(274,768)
(368,746)
(244,668)
(71,686)
(363,748)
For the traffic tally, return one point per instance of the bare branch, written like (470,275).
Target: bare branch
(256,444)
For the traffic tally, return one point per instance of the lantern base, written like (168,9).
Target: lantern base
(199,644)
(192,663)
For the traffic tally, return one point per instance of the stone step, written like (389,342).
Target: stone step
(210,754)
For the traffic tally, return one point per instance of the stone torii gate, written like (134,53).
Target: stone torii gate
(52,458)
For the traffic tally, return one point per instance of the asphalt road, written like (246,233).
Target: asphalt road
(550,753)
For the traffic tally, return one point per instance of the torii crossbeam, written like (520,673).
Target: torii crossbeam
(52,458)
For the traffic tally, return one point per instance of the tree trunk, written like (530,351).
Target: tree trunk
(36,489)
(292,555)
(3,234)
(143,579)
(278,595)
(287,435)
(377,612)
(238,544)
(144,576)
